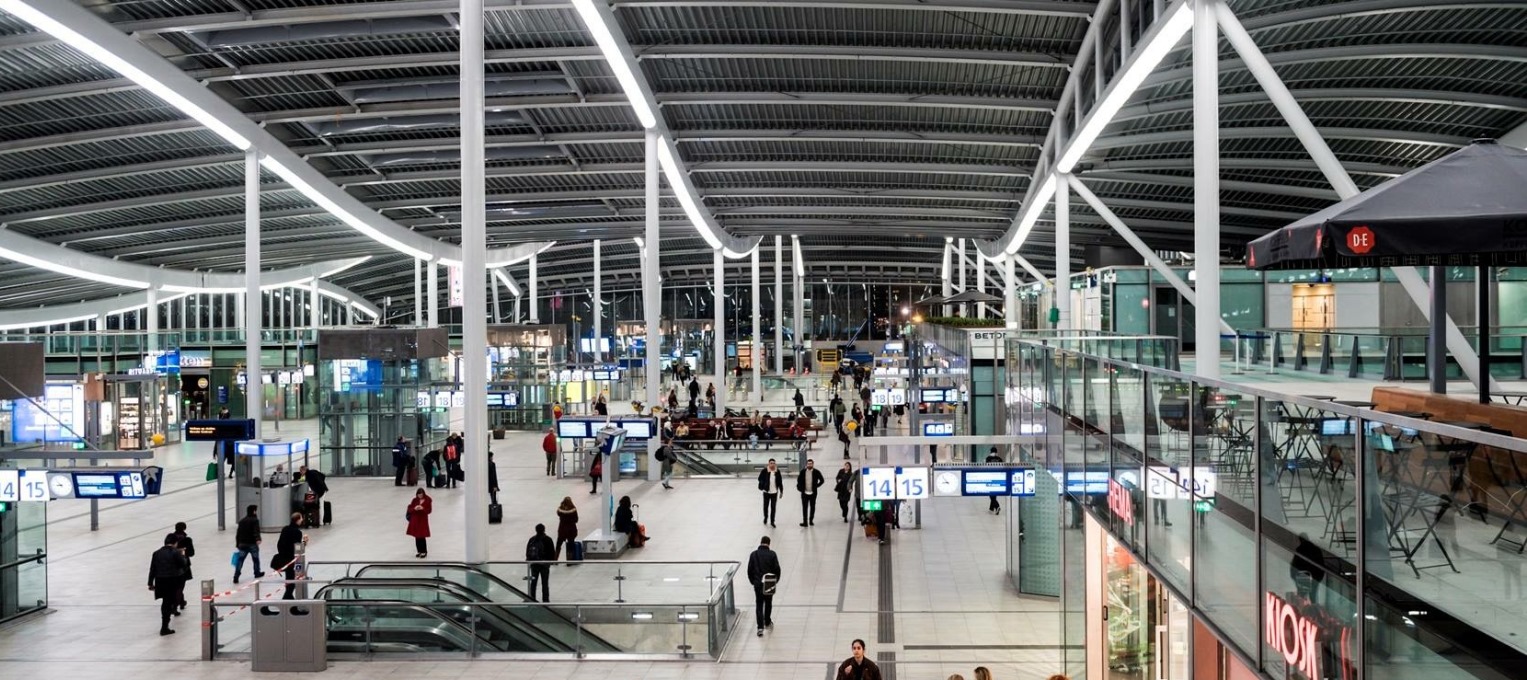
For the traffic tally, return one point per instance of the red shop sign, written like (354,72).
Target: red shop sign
(1302,639)
(1120,502)
(1360,240)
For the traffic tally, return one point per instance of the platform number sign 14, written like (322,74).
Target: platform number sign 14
(878,484)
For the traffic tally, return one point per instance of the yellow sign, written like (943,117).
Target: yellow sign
(829,356)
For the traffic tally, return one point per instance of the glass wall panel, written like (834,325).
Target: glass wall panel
(1224,546)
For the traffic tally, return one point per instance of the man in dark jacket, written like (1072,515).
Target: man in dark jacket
(492,480)
(286,553)
(246,538)
(800,401)
(188,548)
(400,460)
(167,578)
(540,551)
(771,483)
(993,457)
(807,482)
(694,390)
(763,573)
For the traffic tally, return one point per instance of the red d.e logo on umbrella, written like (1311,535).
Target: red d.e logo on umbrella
(1360,240)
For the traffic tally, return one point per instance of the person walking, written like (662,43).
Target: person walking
(694,390)
(665,458)
(286,553)
(993,457)
(837,409)
(857,418)
(763,573)
(770,482)
(567,525)
(246,539)
(710,396)
(400,460)
(800,401)
(539,552)
(807,483)
(167,571)
(844,486)
(884,518)
(418,522)
(549,446)
(188,548)
(857,667)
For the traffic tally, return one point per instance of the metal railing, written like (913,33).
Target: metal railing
(447,610)
(1381,354)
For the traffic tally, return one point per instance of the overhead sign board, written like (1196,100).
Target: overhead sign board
(938,429)
(219,430)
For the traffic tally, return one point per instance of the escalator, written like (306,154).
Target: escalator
(497,628)
(696,462)
(380,626)
(468,583)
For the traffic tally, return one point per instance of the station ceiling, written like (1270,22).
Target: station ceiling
(872,129)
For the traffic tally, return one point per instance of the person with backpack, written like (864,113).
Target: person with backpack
(763,573)
(188,548)
(539,552)
(837,409)
(452,457)
(665,458)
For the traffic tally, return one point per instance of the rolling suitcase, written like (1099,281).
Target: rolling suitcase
(871,531)
(328,513)
(575,551)
(495,513)
(412,475)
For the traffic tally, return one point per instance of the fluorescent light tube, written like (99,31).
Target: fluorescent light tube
(1032,211)
(681,190)
(1173,28)
(333,208)
(605,38)
(57,268)
(70,37)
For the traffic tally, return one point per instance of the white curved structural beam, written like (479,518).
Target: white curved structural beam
(99,40)
(60,260)
(84,311)
(600,20)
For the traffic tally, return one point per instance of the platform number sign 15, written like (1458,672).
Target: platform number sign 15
(33,485)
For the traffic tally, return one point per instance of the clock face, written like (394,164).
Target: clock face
(947,482)
(62,485)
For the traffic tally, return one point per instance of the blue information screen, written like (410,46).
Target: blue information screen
(986,483)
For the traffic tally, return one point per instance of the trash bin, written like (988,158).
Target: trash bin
(289,635)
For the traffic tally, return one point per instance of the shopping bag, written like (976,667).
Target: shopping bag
(212,471)
(234,560)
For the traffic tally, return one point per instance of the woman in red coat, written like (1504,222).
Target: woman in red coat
(418,522)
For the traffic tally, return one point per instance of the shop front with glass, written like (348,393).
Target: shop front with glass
(1265,519)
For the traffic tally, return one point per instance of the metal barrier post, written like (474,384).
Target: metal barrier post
(620,582)
(208,625)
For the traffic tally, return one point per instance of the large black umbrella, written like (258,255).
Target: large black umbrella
(1467,208)
(973,296)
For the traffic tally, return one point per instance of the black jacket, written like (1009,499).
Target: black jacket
(548,548)
(167,571)
(624,522)
(799,400)
(763,480)
(762,561)
(865,671)
(248,531)
(492,475)
(817,481)
(286,545)
(844,484)
(317,482)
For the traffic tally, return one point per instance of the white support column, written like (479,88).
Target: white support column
(652,301)
(718,309)
(418,292)
(946,277)
(151,320)
(798,267)
(598,302)
(960,254)
(1145,252)
(779,304)
(1126,40)
(1206,189)
(1010,294)
(1061,293)
(238,308)
(535,289)
(518,313)
(757,332)
(980,283)
(432,293)
(254,386)
(474,282)
(313,307)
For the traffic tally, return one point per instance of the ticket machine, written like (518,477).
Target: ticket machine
(264,478)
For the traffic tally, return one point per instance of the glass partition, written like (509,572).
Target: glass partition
(1260,508)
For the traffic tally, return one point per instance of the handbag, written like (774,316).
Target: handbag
(212,471)
(770,582)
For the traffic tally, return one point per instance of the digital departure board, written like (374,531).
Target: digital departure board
(219,430)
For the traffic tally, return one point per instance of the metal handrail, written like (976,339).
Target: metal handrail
(40,556)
